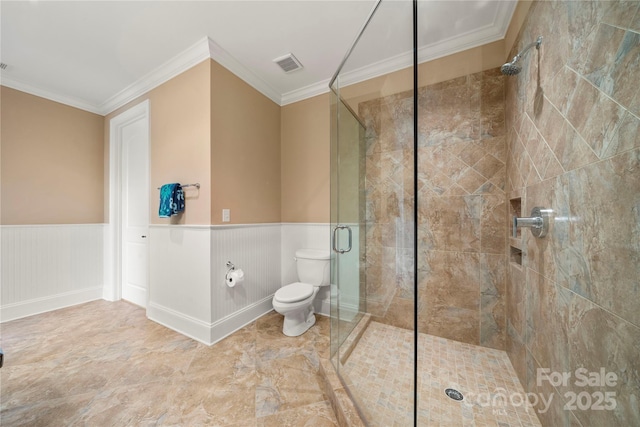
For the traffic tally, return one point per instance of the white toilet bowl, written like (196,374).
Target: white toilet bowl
(295,303)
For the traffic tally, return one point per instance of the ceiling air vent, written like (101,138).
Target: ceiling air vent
(288,63)
(3,66)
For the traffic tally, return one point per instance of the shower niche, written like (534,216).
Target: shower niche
(515,242)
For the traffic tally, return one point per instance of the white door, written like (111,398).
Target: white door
(135,211)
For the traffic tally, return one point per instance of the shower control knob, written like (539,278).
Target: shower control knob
(538,222)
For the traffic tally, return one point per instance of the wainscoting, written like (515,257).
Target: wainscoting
(180,278)
(188,292)
(47,267)
(254,248)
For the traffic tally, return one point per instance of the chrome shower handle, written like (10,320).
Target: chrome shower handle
(335,239)
(538,222)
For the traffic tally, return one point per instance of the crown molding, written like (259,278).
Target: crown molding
(425,54)
(380,68)
(504,15)
(304,93)
(487,34)
(222,57)
(481,36)
(180,63)
(206,48)
(450,46)
(401,61)
(195,54)
(51,96)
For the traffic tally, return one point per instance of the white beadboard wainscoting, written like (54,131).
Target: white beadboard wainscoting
(47,267)
(187,264)
(188,292)
(254,248)
(179,279)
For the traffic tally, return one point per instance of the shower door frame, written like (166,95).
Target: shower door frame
(336,102)
(347,274)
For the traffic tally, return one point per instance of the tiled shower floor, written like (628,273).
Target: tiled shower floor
(380,369)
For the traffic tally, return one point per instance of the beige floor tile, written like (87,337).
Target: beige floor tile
(287,383)
(53,412)
(106,364)
(314,415)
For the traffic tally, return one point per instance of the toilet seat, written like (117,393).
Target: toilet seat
(294,292)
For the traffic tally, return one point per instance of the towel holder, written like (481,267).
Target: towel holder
(197,185)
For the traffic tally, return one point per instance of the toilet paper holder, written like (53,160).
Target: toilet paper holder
(231,268)
(234,275)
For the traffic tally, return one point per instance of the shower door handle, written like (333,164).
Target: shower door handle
(335,239)
(350,240)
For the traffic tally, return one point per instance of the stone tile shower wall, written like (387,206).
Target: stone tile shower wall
(462,209)
(573,120)
(389,208)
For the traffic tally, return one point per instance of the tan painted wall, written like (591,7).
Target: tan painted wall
(351,167)
(245,151)
(180,142)
(305,160)
(265,163)
(52,162)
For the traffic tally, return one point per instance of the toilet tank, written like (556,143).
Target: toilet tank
(314,266)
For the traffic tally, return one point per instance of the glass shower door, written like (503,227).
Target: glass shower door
(347,222)
(373,333)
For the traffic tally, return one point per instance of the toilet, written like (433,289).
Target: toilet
(295,301)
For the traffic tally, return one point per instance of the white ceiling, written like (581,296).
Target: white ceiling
(98,55)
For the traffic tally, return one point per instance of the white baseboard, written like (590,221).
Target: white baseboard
(228,325)
(204,332)
(49,303)
(179,322)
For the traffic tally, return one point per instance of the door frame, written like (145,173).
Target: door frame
(113,239)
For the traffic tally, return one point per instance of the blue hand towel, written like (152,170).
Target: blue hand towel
(171,200)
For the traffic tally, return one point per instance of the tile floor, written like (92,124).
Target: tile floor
(105,364)
(380,368)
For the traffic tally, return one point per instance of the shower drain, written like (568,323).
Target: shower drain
(454,394)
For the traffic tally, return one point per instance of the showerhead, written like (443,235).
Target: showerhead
(511,68)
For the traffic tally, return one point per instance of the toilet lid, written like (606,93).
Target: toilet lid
(294,292)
